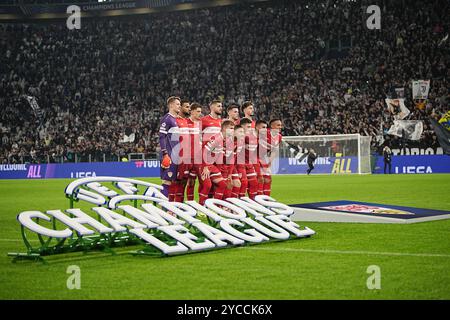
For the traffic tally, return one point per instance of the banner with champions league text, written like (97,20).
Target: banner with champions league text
(44,11)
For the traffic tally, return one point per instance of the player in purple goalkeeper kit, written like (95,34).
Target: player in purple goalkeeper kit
(168,141)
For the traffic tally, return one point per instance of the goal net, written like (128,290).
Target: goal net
(336,154)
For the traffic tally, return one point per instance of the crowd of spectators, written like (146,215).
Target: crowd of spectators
(52,2)
(313,63)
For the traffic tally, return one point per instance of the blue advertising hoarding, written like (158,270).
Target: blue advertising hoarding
(322,165)
(150,168)
(416,164)
(146,168)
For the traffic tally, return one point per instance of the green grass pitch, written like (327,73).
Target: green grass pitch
(414,259)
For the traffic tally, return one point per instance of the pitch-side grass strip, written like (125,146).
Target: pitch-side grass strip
(438,255)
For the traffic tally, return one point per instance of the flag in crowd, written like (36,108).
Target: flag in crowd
(407,129)
(397,108)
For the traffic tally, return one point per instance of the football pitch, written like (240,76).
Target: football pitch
(414,259)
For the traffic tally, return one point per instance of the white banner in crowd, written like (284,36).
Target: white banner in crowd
(412,129)
(420,89)
(397,108)
(38,112)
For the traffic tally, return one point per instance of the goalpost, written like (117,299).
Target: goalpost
(340,153)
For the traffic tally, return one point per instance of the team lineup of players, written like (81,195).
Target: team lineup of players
(229,157)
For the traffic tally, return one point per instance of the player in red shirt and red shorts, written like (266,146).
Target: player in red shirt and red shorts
(184,166)
(274,138)
(195,152)
(263,151)
(224,144)
(250,151)
(233,115)
(236,179)
(213,159)
(211,125)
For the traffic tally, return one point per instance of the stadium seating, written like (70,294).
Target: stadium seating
(315,65)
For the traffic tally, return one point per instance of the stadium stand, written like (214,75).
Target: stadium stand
(21,2)
(316,65)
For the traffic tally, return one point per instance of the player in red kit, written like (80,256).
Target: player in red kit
(262,133)
(222,146)
(195,154)
(240,160)
(273,144)
(211,125)
(236,176)
(213,155)
(233,115)
(250,151)
(184,166)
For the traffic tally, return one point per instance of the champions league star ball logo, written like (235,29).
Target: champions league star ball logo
(359,208)
(163,227)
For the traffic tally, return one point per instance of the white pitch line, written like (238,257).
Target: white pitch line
(354,252)
(377,253)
